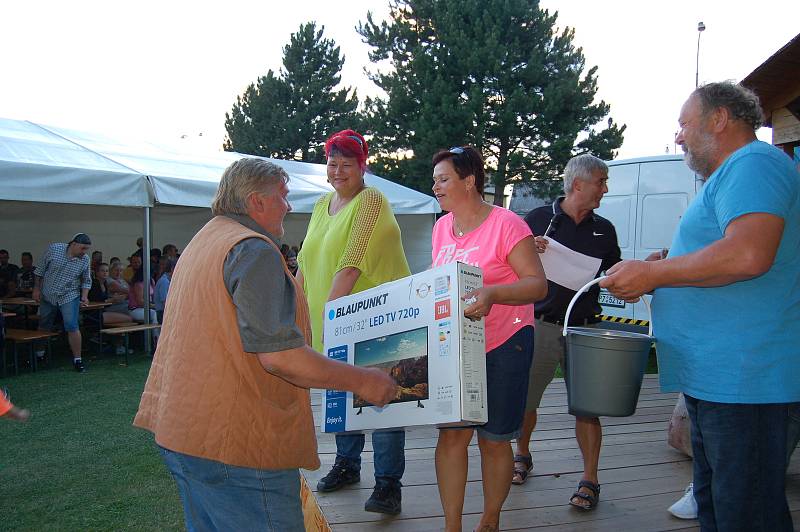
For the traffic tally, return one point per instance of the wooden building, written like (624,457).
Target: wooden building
(777,83)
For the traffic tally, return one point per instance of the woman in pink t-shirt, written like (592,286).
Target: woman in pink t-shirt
(501,244)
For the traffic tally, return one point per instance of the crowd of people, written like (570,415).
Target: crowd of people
(65,278)
(227,397)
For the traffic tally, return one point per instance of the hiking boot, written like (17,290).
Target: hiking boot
(339,476)
(385,499)
(79,367)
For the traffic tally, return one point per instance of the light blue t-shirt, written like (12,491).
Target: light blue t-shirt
(160,294)
(738,343)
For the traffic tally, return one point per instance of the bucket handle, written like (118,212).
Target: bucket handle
(584,288)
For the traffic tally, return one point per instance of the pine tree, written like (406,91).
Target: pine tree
(289,115)
(491,73)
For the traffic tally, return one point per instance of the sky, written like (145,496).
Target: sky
(410,344)
(169,71)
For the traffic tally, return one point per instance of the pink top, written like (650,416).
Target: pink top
(488,247)
(135,295)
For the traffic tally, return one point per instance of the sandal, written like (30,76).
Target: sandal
(592,499)
(521,471)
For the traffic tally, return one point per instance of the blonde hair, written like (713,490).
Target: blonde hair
(241,179)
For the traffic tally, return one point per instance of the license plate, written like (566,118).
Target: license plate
(608,300)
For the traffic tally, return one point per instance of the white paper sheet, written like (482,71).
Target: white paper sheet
(567,267)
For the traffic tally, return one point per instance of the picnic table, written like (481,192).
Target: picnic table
(24,302)
(18,301)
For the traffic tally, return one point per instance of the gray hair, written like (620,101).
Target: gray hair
(582,167)
(740,102)
(241,179)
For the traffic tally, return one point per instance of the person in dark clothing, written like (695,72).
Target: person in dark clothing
(25,278)
(99,293)
(8,272)
(571,221)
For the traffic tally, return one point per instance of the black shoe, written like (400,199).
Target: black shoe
(385,499)
(79,367)
(340,475)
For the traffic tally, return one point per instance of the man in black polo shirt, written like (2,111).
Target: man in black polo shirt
(572,222)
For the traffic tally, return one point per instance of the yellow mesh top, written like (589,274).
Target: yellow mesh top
(363,235)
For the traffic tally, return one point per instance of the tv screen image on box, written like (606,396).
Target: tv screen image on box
(403,356)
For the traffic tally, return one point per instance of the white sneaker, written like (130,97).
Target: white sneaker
(686,506)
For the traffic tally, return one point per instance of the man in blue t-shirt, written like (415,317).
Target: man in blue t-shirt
(725,309)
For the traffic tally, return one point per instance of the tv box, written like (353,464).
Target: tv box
(413,329)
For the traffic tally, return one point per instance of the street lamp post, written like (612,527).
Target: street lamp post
(700,29)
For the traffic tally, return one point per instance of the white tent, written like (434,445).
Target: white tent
(56,182)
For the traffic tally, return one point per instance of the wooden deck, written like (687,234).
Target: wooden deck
(640,476)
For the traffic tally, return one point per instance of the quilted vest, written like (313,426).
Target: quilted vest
(205,396)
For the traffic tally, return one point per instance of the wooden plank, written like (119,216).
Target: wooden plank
(130,329)
(559,462)
(642,512)
(25,335)
(542,440)
(423,501)
(121,324)
(639,473)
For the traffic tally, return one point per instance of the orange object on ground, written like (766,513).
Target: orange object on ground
(5,405)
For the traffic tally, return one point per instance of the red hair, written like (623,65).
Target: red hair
(349,144)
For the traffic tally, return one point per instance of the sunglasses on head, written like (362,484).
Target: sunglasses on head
(360,142)
(457,150)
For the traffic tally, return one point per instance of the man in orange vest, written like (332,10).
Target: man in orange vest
(227,396)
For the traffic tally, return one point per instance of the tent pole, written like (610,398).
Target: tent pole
(146,245)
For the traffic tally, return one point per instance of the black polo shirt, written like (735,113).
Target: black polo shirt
(594,236)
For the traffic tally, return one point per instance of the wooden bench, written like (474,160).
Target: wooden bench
(99,337)
(126,331)
(24,336)
(121,324)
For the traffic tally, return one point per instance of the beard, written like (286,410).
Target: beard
(700,157)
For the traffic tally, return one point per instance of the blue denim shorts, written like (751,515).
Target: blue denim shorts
(507,372)
(69,313)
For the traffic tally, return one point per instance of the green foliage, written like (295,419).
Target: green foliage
(289,115)
(491,73)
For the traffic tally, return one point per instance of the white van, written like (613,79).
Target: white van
(646,198)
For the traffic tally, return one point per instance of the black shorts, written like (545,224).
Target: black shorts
(507,371)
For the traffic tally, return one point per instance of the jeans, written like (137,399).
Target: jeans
(218,496)
(793,431)
(69,313)
(739,466)
(389,452)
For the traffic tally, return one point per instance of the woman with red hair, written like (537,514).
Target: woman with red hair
(353,243)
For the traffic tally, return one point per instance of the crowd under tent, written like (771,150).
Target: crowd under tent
(57,182)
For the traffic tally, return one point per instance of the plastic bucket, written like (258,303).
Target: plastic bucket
(605,367)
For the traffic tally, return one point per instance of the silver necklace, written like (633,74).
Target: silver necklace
(459,232)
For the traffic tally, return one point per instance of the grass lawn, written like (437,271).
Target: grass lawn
(78,464)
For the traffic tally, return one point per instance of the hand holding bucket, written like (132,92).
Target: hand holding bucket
(605,367)
(588,285)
